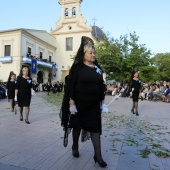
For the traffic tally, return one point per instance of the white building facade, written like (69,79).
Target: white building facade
(15,46)
(59,46)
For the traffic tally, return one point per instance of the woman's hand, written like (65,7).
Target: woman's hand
(73,109)
(71,102)
(104,108)
(15,99)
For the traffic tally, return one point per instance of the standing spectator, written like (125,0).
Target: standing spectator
(48,87)
(41,88)
(61,86)
(58,87)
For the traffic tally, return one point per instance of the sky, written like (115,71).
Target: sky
(150,19)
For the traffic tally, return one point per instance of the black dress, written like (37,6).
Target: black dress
(11,89)
(136,84)
(24,91)
(87,92)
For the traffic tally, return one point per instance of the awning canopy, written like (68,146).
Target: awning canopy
(6,59)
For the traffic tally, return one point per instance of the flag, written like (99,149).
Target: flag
(34,66)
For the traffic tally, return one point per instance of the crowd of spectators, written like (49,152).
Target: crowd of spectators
(157,91)
(2,90)
(54,87)
(39,58)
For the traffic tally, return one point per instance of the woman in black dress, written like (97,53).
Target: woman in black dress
(11,90)
(83,97)
(23,92)
(135,86)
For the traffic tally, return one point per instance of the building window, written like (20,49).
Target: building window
(29,50)
(69,44)
(41,55)
(74,11)
(7,50)
(49,58)
(66,12)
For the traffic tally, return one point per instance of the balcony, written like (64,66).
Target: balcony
(41,62)
(6,59)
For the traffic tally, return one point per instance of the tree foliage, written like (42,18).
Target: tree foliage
(162,63)
(120,56)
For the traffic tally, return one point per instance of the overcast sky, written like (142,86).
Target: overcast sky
(150,19)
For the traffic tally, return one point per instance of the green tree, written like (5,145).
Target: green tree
(121,55)
(162,62)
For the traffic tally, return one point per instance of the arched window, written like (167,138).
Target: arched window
(66,12)
(74,11)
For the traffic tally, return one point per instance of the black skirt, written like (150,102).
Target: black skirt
(11,89)
(135,95)
(24,99)
(87,119)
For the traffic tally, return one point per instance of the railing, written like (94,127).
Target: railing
(26,59)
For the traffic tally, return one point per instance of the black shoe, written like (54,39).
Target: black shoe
(102,164)
(75,151)
(132,111)
(137,114)
(27,122)
(21,119)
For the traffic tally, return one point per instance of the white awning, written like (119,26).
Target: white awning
(6,59)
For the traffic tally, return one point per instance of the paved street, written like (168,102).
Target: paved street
(126,138)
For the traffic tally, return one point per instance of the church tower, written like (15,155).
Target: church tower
(68,32)
(70,16)
(70,11)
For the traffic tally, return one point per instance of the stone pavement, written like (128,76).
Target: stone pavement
(39,146)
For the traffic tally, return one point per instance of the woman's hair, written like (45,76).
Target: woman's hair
(135,70)
(25,68)
(11,73)
(88,47)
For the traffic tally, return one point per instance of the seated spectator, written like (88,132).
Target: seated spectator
(166,94)
(156,93)
(110,89)
(126,91)
(114,92)
(150,92)
(120,90)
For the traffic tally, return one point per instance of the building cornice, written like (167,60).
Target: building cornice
(24,32)
(64,2)
(37,39)
(72,32)
(84,29)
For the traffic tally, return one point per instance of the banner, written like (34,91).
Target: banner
(54,70)
(34,66)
